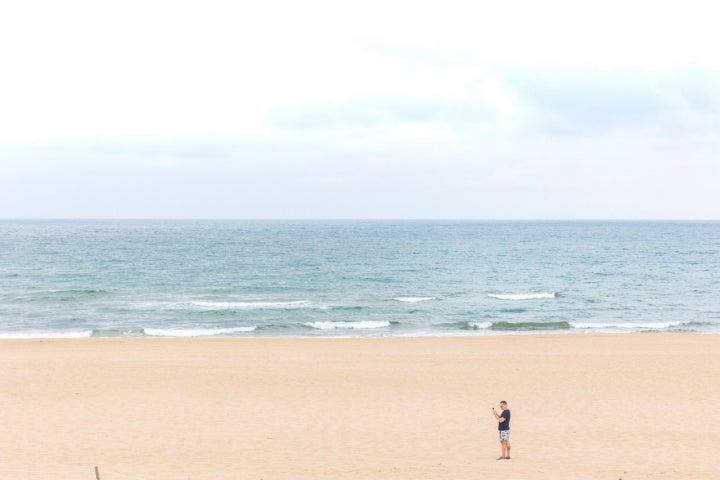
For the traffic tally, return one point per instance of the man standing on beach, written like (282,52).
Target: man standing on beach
(503,430)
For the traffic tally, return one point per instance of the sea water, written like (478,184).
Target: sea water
(108,278)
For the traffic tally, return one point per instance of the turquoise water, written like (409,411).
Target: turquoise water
(356,278)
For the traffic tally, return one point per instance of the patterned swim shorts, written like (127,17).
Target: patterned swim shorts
(504,435)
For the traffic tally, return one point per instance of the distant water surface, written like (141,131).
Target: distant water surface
(356,278)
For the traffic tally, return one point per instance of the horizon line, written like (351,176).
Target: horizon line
(360,219)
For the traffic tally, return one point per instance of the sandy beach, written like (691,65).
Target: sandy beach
(632,406)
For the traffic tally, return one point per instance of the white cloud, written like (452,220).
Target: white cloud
(88,69)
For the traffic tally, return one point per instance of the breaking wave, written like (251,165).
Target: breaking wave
(413,299)
(253,305)
(365,325)
(196,332)
(635,325)
(530,326)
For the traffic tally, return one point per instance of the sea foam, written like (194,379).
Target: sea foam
(413,299)
(196,332)
(347,325)
(479,325)
(629,325)
(251,305)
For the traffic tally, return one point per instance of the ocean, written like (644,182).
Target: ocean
(252,278)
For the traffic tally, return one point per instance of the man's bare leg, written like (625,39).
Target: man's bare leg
(505,449)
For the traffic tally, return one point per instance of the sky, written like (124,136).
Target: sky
(360,110)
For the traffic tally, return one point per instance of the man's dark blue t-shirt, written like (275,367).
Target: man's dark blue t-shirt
(506,424)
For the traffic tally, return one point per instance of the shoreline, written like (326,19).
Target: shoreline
(591,406)
(547,336)
(80,336)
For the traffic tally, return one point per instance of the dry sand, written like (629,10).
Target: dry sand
(633,406)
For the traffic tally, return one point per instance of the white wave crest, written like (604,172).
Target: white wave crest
(413,299)
(196,332)
(628,325)
(347,325)
(251,305)
(44,335)
(521,296)
(480,325)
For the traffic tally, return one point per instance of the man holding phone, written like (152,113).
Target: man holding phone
(503,420)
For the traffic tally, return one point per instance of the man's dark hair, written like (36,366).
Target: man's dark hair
(503,402)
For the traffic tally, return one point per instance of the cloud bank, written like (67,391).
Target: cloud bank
(372,111)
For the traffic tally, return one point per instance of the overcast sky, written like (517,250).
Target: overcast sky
(308,109)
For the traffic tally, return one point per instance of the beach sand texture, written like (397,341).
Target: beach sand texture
(633,406)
